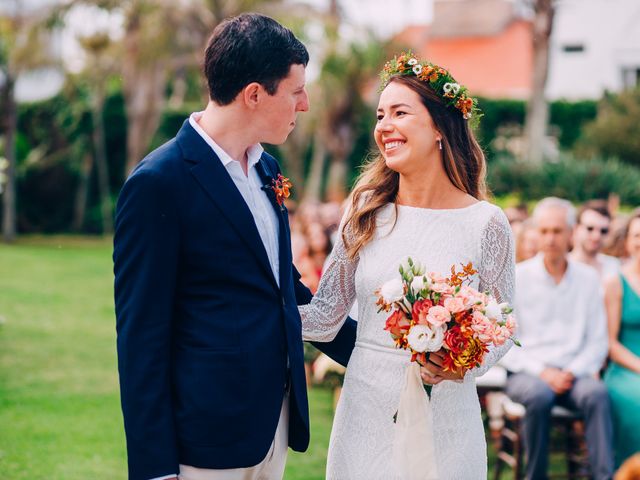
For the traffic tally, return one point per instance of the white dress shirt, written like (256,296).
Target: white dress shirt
(250,187)
(559,325)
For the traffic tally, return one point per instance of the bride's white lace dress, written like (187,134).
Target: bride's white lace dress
(363,428)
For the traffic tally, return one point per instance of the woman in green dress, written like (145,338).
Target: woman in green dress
(622,297)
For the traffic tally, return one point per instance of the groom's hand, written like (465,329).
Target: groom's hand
(434,370)
(428,378)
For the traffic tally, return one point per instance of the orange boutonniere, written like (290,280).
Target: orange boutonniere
(281,186)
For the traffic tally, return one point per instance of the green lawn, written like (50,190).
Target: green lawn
(59,407)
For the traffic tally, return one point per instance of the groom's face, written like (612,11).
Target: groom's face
(278,112)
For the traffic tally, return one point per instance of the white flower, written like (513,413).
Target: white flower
(392,291)
(467,116)
(419,283)
(412,61)
(451,87)
(493,310)
(421,338)
(417,69)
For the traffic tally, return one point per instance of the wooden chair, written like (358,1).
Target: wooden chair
(566,424)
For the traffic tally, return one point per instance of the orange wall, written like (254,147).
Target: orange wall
(497,66)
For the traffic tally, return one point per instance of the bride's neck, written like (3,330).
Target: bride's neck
(431,189)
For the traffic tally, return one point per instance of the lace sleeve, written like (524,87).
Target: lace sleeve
(325,315)
(497,276)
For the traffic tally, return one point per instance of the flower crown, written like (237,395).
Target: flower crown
(439,79)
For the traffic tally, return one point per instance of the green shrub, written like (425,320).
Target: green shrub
(566,120)
(616,130)
(574,179)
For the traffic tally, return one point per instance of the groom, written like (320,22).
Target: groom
(209,336)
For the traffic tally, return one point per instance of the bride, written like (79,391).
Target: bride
(422,197)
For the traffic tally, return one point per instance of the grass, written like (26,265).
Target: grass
(60,414)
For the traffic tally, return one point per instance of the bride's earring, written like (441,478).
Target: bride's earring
(439,143)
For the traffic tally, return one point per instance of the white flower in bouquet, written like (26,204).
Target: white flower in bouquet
(421,338)
(392,291)
(493,310)
(419,283)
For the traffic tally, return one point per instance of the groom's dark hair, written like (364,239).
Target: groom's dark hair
(250,48)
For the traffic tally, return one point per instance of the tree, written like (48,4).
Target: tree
(537,108)
(346,70)
(100,66)
(160,37)
(22,48)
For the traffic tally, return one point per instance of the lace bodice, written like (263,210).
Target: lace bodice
(361,438)
(438,239)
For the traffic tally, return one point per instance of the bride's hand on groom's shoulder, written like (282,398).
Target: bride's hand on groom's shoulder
(433,372)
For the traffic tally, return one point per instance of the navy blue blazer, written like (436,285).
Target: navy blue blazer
(206,338)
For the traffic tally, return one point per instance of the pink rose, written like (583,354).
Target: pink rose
(442,287)
(510,324)
(482,327)
(501,335)
(471,297)
(436,278)
(438,316)
(455,304)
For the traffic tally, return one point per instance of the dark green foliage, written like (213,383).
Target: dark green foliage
(616,130)
(570,178)
(54,137)
(566,120)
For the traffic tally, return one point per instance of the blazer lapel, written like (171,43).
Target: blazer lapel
(284,252)
(209,172)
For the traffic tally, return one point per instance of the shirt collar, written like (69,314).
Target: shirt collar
(539,258)
(254,153)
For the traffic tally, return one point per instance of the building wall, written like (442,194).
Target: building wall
(595,46)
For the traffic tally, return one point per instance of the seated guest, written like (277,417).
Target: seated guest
(562,328)
(594,224)
(526,241)
(622,299)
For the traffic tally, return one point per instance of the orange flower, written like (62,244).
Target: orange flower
(463,350)
(398,325)
(420,311)
(281,187)
(456,278)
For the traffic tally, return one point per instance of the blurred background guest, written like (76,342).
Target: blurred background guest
(622,297)
(562,327)
(592,229)
(516,215)
(526,241)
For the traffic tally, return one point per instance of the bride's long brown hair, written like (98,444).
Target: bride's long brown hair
(377,185)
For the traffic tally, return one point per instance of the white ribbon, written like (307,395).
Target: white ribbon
(413,449)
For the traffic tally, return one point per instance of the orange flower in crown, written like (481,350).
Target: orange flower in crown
(439,79)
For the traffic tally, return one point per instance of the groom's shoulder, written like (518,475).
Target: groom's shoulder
(163,162)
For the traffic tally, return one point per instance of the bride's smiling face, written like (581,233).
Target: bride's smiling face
(404,132)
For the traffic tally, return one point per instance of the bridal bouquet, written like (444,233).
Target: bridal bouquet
(430,312)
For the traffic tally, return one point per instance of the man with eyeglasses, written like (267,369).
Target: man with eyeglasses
(594,221)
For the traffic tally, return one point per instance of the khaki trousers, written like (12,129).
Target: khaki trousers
(271,468)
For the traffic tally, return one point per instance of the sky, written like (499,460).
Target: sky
(385,16)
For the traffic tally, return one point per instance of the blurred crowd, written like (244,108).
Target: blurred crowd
(578,307)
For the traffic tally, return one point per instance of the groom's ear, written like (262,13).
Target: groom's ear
(251,94)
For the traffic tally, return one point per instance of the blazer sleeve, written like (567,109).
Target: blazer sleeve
(146,245)
(341,346)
